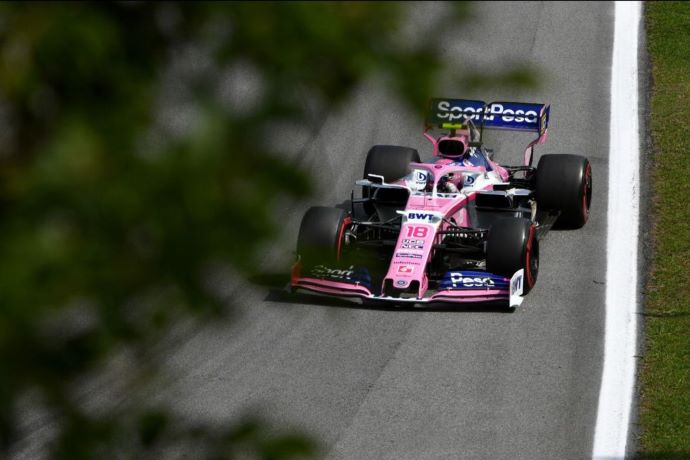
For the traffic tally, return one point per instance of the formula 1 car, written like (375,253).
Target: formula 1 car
(461,228)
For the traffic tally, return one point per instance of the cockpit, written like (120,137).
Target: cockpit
(446,179)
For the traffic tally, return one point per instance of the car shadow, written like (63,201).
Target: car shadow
(278,292)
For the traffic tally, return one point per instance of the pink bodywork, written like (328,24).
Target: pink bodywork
(424,215)
(403,271)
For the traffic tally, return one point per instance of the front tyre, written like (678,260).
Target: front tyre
(321,236)
(512,245)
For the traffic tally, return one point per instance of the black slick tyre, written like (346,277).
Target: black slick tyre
(564,183)
(321,235)
(390,161)
(512,245)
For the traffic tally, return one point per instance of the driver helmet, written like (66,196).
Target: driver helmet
(419,179)
(453,147)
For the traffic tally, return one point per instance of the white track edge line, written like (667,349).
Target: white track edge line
(620,347)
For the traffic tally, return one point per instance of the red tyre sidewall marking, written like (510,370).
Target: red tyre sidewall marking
(587,180)
(347,221)
(296,272)
(528,254)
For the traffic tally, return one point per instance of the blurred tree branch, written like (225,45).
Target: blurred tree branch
(109,219)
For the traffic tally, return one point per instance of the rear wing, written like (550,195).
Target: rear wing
(514,116)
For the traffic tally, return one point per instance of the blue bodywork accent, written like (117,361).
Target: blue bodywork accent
(467,280)
(519,116)
(362,277)
(515,116)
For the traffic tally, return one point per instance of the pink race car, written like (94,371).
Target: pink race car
(458,229)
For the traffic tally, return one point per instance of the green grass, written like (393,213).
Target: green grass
(665,369)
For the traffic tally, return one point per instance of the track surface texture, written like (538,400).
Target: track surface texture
(392,383)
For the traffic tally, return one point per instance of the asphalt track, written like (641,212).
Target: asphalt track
(444,383)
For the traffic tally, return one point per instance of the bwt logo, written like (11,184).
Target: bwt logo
(457,279)
(419,216)
(507,115)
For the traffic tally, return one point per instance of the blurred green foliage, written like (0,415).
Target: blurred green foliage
(110,221)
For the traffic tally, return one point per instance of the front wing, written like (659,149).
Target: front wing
(500,288)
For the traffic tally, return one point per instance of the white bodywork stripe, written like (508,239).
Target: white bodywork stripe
(618,376)
(516,288)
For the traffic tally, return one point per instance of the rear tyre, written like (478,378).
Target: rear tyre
(512,245)
(564,183)
(390,161)
(321,235)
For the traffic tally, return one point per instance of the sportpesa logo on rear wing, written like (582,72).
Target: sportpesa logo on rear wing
(518,116)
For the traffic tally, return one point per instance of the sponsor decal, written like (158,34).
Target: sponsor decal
(405,269)
(471,280)
(469,179)
(409,256)
(401,283)
(419,181)
(323,271)
(420,216)
(457,279)
(516,284)
(351,274)
(417,231)
(412,246)
(421,176)
(520,116)
(516,288)
(447,112)
(413,241)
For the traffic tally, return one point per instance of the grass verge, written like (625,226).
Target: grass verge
(665,369)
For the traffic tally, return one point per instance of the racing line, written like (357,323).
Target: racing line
(618,375)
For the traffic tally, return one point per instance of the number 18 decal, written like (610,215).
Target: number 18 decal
(417,232)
